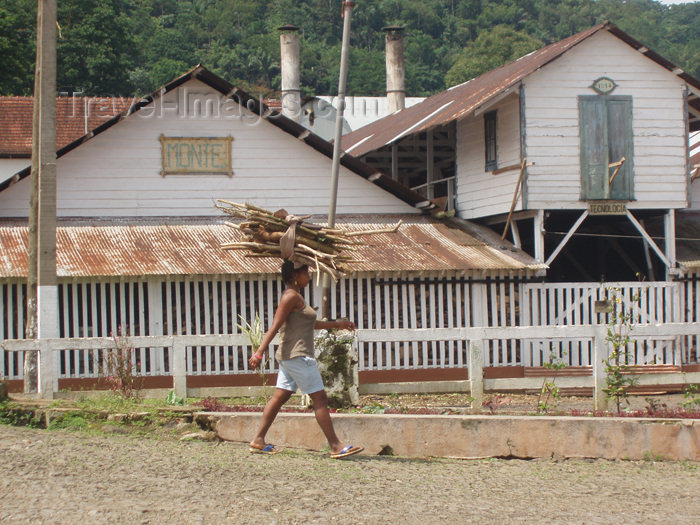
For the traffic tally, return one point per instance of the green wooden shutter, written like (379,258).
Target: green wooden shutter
(594,151)
(619,111)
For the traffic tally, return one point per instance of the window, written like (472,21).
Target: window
(606,137)
(490,140)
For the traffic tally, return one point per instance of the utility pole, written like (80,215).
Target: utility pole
(42,289)
(337,149)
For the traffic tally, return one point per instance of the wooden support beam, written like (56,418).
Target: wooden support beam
(648,238)
(566,238)
(670,240)
(538,233)
(516,234)
(515,197)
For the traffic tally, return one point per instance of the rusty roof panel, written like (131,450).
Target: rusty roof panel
(142,248)
(460,100)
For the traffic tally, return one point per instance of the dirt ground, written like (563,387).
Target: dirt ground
(116,474)
(506,403)
(126,473)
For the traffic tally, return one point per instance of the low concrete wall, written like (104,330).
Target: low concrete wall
(480,436)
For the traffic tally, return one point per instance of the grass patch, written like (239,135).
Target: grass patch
(70,421)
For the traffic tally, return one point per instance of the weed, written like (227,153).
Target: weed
(691,396)
(550,393)
(689,466)
(18,418)
(174,399)
(651,456)
(120,365)
(70,421)
(496,402)
(619,380)
(255,334)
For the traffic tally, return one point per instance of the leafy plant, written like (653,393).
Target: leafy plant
(255,333)
(174,399)
(496,402)
(10,415)
(550,393)
(619,381)
(119,366)
(212,404)
(691,397)
(70,421)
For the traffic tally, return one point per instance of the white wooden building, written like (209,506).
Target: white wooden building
(536,148)
(138,237)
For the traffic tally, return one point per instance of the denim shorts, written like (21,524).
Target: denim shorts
(299,372)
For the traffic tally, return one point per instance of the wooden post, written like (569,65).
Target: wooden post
(179,367)
(337,144)
(670,242)
(600,354)
(538,234)
(47,369)
(476,373)
(42,289)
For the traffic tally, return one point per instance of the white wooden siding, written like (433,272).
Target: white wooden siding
(117,173)
(8,167)
(552,131)
(479,193)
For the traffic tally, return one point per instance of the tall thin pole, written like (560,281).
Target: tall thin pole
(42,290)
(337,146)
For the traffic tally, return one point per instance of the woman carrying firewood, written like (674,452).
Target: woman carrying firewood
(296,321)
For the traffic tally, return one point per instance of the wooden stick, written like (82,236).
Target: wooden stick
(619,164)
(392,229)
(515,198)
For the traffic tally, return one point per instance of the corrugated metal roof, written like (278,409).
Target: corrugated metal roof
(465,98)
(143,248)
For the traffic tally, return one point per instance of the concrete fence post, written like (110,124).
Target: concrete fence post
(600,354)
(47,369)
(476,372)
(179,367)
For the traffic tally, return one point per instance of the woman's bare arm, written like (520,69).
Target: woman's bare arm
(289,302)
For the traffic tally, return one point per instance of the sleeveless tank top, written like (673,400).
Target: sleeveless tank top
(297,335)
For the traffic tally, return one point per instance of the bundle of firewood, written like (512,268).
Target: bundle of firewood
(316,246)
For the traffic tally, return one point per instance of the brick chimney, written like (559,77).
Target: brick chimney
(289,65)
(395,74)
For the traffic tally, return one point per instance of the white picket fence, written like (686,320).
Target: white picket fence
(192,307)
(477,338)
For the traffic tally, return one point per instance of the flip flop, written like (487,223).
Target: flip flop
(267,449)
(349,450)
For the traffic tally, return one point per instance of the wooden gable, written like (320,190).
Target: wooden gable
(118,171)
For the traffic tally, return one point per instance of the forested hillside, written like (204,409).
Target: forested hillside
(125,47)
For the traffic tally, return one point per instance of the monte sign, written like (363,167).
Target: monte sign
(196,155)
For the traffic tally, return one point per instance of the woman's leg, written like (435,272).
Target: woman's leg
(323,417)
(279,398)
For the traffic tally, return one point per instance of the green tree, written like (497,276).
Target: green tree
(17,47)
(95,50)
(490,50)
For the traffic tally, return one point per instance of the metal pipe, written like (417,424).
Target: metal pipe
(395,74)
(290,72)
